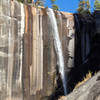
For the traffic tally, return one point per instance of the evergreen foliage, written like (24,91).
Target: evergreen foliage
(55,7)
(26,1)
(97,5)
(53,1)
(84,7)
(88,5)
(29,1)
(20,1)
(36,2)
(39,2)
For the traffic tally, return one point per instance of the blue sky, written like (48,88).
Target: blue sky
(68,5)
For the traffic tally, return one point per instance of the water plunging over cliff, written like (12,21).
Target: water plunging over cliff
(58,46)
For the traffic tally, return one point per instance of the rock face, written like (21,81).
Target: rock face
(84,48)
(28,59)
(11,31)
(88,91)
(28,62)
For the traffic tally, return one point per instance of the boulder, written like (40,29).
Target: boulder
(90,90)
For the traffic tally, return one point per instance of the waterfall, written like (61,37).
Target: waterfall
(58,46)
(20,45)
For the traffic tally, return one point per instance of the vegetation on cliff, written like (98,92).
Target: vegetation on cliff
(41,3)
(54,6)
(97,5)
(84,7)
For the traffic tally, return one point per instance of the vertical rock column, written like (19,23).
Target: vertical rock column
(68,43)
(10,55)
(4,42)
(33,54)
(11,34)
(36,69)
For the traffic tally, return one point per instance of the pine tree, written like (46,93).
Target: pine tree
(36,2)
(20,1)
(54,6)
(25,1)
(53,1)
(84,7)
(97,5)
(88,6)
(39,2)
(29,1)
(81,6)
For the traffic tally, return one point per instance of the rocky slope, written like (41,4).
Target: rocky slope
(90,90)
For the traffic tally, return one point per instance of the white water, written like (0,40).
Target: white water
(21,44)
(58,47)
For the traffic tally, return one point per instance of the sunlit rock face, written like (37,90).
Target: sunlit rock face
(28,58)
(28,61)
(11,30)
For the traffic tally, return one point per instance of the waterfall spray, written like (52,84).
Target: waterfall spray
(58,46)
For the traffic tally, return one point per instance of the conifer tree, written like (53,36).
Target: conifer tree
(25,1)
(53,1)
(81,6)
(36,2)
(97,5)
(39,2)
(54,6)
(29,1)
(20,1)
(84,7)
(87,6)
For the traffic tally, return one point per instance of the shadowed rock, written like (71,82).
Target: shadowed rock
(88,91)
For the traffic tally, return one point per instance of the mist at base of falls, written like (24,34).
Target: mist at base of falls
(58,47)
